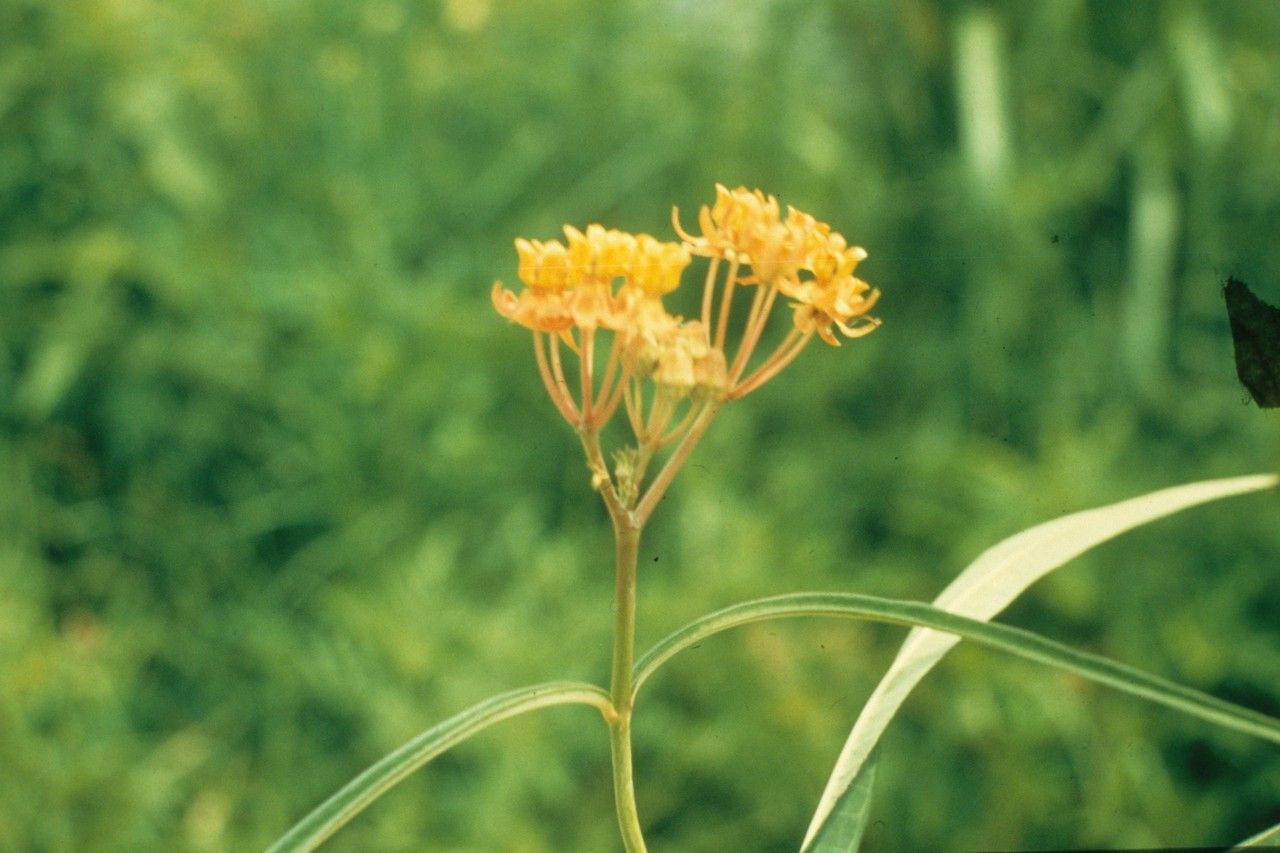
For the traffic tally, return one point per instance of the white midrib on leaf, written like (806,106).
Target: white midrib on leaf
(992,582)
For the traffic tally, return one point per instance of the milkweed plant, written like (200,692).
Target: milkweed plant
(609,351)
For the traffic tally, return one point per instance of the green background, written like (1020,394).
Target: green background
(278,489)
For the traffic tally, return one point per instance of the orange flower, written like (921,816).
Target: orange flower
(671,351)
(730,227)
(656,267)
(540,310)
(545,270)
(599,256)
(543,266)
(834,296)
(687,363)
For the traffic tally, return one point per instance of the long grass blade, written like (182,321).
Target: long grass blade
(362,791)
(989,585)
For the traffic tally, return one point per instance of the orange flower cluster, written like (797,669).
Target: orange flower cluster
(602,281)
(573,286)
(800,256)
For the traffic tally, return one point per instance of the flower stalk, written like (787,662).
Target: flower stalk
(671,375)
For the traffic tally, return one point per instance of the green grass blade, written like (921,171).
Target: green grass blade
(1266,838)
(842,832)
(1016,641)
(990,584)
(363,790)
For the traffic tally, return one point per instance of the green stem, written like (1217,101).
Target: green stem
(627,539)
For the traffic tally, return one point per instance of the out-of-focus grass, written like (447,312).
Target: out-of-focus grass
(278,490)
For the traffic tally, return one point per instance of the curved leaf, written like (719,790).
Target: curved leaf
(361,791)
(1016,641)
(990,584)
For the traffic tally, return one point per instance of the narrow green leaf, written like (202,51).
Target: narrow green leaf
(1017,641)
(1266,838)
(990,584)
(842,833)
(360,792)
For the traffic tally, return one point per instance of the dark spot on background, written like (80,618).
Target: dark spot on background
(1255,331)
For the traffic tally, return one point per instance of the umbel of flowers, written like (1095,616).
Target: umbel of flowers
(598,295)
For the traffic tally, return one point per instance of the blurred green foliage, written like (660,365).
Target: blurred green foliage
(278,490)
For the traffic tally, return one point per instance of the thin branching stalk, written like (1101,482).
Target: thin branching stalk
(633,397)
(678,456)
(556,391)
(600,479)
(755,327)
(679,429)
(612,385)
(557,370)
(785,354)
(726,304)
(585,365)
(708,294)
